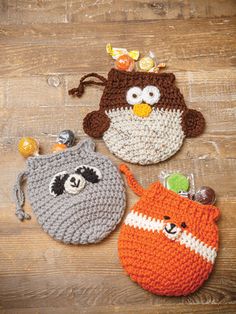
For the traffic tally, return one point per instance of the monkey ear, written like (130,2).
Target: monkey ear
(193,123)
(56,186)
(96,123)
(90,174)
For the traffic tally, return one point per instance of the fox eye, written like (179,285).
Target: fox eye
(183,225)
(166,217)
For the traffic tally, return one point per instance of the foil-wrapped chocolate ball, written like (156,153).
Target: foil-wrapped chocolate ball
(28,146)
(66,137)
(205,195)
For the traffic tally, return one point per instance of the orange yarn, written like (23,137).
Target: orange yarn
(168,243)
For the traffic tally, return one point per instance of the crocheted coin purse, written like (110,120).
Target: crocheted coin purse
(77,195)
(142,117)
(168,243)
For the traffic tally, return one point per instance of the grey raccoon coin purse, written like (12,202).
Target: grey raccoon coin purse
(76,195)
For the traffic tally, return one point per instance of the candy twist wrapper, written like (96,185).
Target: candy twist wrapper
(115,53)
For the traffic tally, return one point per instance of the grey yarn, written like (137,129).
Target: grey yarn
(19,197)
(86,217)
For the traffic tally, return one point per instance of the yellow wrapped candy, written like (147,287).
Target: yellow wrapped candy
(115,53)
(28,146)
(146,64)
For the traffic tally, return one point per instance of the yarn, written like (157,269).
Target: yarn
(168,243)
(142,117)
(77,195)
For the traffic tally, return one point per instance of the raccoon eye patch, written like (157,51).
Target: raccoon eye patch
(183,225)
(166,217)
(90,174)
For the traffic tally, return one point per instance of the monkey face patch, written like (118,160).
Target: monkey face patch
(142,117)
(75,182)
(144,140)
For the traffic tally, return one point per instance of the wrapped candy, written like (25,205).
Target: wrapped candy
(124,63)
(115,53)
(58,147)
(66,137)
(150,63)
(177,182)
(28,146)
(205,195)
(124,58)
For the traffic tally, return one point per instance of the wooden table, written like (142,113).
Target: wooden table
(45,47)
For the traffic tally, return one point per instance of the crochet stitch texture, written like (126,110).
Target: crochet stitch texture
(168,243)
(77,195)
(142,117)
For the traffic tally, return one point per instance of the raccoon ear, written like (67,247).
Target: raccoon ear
(56,186)
(90,174)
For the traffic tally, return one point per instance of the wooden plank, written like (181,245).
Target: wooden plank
(140,10)
(26,11)
(38,50)
(34,91)
(129,309)
(64,286)
(46,46)
(73,11)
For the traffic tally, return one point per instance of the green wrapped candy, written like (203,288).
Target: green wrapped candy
(177,182)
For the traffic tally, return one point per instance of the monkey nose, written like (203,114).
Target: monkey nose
(142,110)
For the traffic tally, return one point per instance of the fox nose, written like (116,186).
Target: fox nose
(172,226)
(142,110)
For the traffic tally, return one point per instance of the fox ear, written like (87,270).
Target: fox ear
(215,213)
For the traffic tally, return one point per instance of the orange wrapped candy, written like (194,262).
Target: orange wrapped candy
(58,147)
(124,63)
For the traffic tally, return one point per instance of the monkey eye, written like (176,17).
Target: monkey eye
(151,94)
(166,217)
(134,95)
(183,225)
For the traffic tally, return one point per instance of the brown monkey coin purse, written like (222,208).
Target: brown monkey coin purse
(142,117)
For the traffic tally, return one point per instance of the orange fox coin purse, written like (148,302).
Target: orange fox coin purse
(168,243)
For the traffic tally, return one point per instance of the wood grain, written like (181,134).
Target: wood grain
(43,41)
(65,49)
(89,11)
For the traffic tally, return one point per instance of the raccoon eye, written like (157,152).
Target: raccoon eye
(134,95)
(166,217)
(183,225)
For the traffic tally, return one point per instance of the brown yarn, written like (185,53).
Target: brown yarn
(96,123)
(145,130)
(114,96)
(78,92)
(193,123)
